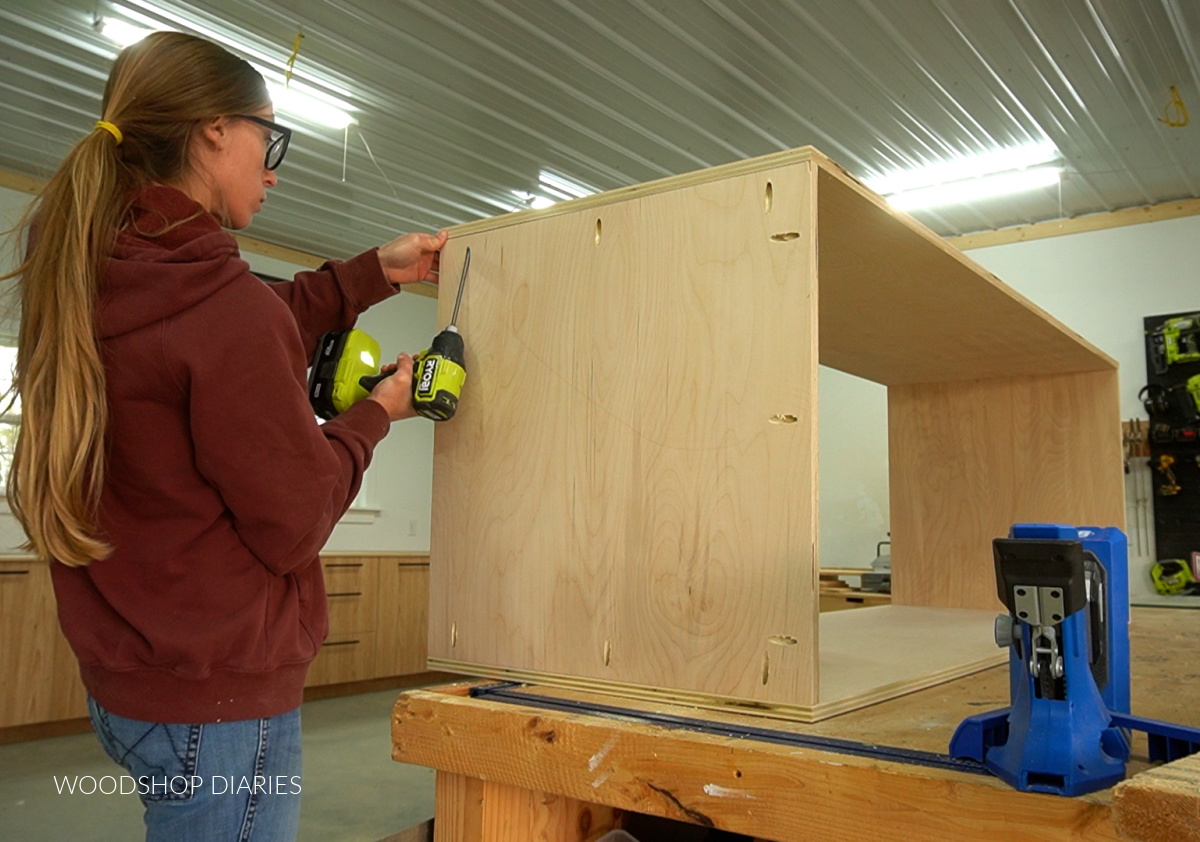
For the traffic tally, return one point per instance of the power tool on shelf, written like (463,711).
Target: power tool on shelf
(1173,576)
(1175,341)
(1067,630)
(346,368)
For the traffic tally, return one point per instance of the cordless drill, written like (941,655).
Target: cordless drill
(337,380)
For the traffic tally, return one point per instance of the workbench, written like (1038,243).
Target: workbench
(512,773)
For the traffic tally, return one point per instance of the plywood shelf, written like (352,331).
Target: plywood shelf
(627,496)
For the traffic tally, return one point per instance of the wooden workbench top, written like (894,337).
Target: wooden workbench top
(783,793)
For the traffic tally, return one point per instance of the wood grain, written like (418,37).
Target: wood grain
(866,657)
(771,791)
(1161,804)
(613,500)
(40,673)
(899,305)
(881,652)
(401,647)
(968,459)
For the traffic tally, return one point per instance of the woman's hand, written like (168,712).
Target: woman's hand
(412,258)
(395,393)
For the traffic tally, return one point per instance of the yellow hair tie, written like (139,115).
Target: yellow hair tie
(111,129)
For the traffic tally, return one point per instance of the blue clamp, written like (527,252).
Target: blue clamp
(1067,728)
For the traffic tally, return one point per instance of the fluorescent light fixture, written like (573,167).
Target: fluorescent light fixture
(966,167)
(972,189)
(120,32)
(307,104)
(552,189)
(565,188)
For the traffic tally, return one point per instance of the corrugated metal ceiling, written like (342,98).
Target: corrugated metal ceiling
(464,102)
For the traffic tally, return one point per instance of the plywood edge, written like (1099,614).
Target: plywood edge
(806,714)
(840,175)
(1078,225)
(1160,804)
(621,194)
(707,701)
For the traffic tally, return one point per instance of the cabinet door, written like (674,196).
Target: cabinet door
(37,668)
(403,617)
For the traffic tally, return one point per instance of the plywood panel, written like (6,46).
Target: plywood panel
(876,653)
(969,459)
(898,305)
(613,499)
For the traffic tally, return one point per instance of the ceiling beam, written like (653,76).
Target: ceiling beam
(1078,225)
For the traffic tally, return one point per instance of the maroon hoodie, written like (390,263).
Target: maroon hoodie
(220,487)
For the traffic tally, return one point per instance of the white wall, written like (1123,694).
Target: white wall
(852,468)
(399,481)
(1101,284)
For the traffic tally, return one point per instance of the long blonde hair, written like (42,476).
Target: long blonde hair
(160,91)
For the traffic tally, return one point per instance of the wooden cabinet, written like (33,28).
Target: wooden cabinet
(378,608)
(403,616)
(663,538)
(38,671)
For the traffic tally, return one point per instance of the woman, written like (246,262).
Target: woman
(169,463)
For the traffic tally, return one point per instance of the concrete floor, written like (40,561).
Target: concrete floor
(353,790)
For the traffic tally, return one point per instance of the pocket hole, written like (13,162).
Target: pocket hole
(599,226)
(783,418)
(784,236)
(766,669)
(453,635)
(607,653)
(768,198)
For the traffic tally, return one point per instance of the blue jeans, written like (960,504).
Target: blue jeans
(216,782)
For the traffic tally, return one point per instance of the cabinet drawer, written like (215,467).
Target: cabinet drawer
(350,586)
(348,576)
(344,657)
(351,612)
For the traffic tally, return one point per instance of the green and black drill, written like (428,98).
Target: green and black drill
(345,369)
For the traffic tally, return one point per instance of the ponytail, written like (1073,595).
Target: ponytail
(58,466)
(159,91)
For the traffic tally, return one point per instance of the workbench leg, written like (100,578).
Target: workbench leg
(470,810)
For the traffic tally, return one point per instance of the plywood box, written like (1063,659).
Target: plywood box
(627,499)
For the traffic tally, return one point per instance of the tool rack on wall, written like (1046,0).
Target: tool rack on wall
(1172,401)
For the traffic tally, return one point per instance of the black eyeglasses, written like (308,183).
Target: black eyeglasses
(277,146)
